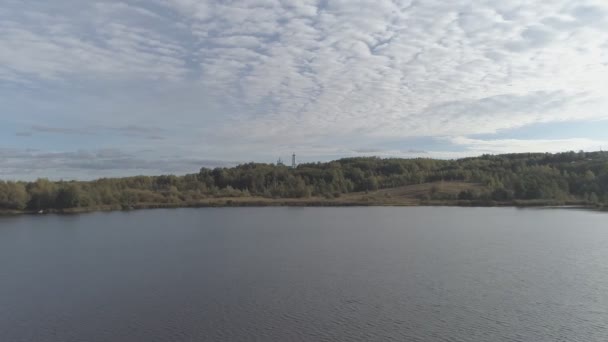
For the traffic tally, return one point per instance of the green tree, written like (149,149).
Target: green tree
(68,196)
(42,194)
(13,195)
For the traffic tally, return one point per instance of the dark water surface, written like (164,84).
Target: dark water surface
(306,274)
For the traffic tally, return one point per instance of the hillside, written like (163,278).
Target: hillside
(510,179)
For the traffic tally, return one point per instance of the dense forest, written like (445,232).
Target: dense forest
(580,177)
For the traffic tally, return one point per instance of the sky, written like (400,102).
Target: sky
(115,88)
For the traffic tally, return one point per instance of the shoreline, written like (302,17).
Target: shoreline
(293,202)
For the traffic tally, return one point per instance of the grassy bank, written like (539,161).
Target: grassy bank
(428,194)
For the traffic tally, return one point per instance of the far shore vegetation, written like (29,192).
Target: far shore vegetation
(525,179)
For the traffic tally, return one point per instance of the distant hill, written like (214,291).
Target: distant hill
(579,178)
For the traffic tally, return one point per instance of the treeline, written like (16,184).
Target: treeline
(580,176)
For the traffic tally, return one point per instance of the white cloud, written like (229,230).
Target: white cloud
(363,64)
(478,146)
(59,47)
(246,76)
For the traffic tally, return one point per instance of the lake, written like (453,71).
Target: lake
(306,274)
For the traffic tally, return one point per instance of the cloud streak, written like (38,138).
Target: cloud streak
(90,164)
(497,146)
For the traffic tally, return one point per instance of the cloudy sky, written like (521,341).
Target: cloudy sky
(109,88)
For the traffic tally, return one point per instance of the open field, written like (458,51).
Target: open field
(410,194)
